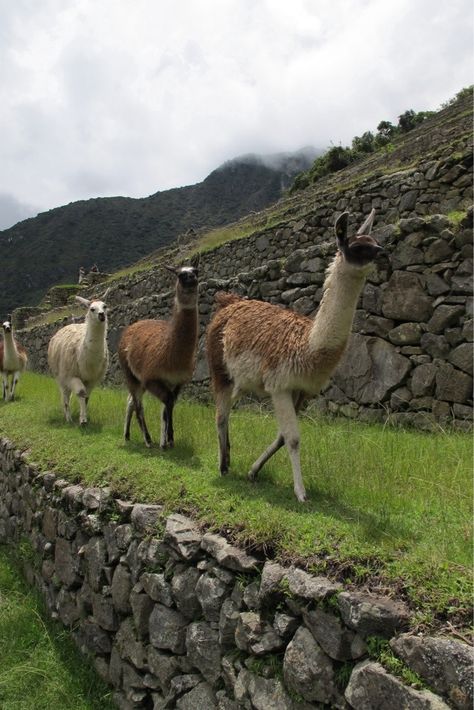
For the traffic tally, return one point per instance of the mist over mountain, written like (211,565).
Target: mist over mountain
(114,232)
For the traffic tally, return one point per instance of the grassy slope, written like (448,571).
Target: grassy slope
(40,668)
(385,505)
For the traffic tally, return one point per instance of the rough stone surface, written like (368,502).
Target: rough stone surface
(444,664)
(199,698)
(372,615)
(308,671)
(183,536)
(370,686)
(228,555)
(405,298)
(203,649)
(121,588)
(254,635)
(452,385)
(167,629)
(334,638)
(370,369)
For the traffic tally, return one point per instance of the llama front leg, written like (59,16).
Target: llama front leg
(223,406)
(5,386)
(80,391)
(66,397)
(167,432)
(285,413)
(15,378)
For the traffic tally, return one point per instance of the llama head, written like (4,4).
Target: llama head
(360,250)
(96,310)
(7,324)
(186,285)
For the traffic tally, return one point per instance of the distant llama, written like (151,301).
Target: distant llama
(159,356)
(78,356)
(253,346)
(13,360)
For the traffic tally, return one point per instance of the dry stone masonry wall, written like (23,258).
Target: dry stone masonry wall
(175,617)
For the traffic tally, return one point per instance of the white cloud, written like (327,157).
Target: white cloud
(103,97)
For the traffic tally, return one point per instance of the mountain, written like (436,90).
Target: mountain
(114,232)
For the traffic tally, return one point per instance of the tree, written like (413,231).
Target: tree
(363,143)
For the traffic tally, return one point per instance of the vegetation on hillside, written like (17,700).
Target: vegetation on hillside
(338,157)
(386,507)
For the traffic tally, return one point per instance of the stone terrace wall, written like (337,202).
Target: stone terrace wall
(177,618)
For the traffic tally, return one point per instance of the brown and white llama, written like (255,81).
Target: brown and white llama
(158,356)
(257,347)
(13,360)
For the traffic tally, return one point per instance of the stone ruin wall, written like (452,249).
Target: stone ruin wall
(176,617)
(409,360)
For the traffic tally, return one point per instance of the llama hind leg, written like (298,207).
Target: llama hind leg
(285,413)
(223,407)
(298,399)
(267,454)
(138,406)
(128,417)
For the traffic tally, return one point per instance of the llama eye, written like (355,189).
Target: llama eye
(92,309)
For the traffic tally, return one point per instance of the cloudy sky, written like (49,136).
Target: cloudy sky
(128,97)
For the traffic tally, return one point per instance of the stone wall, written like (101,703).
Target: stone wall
(409,359)
(175,617)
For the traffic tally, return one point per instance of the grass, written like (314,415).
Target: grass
(40,668)
(386,506)
(237,230)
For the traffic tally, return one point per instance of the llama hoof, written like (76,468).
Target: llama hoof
(302,497)
(252,476)
(83,423)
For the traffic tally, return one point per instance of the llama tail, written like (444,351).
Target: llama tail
(223,299)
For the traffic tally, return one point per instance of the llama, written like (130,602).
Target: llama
(159,356)
(253,346)
(78,356)
(13,360)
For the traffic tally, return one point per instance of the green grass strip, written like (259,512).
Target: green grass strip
(40,667)
(384,503)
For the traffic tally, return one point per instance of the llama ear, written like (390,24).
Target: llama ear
(171,268)
(83,301)
(104,295)
(366,228)
(341,229)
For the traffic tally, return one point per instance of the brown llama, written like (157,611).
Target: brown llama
(253,346)
(158,356)
(13,360)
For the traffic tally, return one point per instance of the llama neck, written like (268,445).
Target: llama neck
(333,321)
(94,338)
(9,344)
(184,321)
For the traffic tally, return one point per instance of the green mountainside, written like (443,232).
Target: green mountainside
(114,232)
